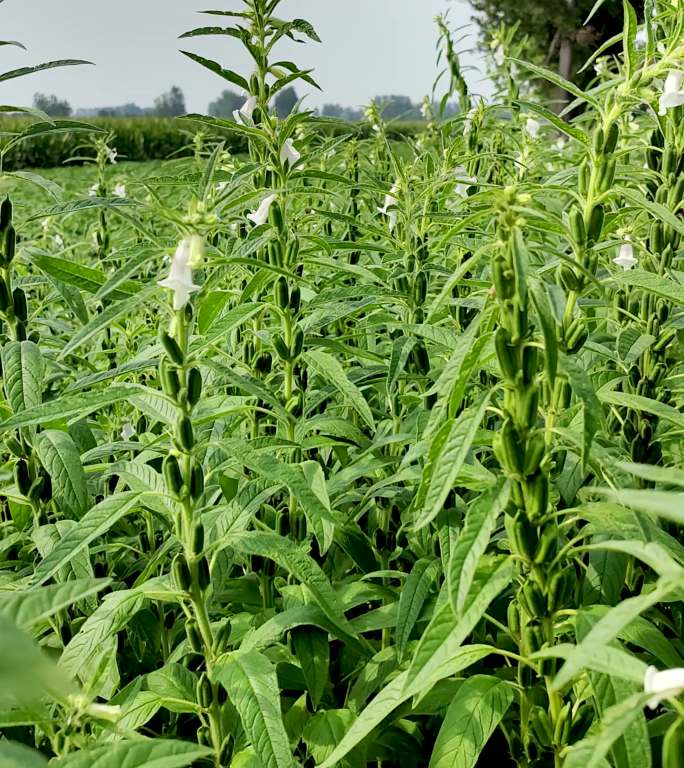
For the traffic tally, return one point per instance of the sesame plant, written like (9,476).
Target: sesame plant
(347,451)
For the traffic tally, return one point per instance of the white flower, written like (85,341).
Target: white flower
(180,276)
(499,55)
(58,240)
(221,186)
(532,127)
(625,258)
(601,66)
(673,92)
(92,192)
(390,200)
(244,114)
(468,122)
(641,39)
(663,685)
(45,224)
(425,109)
(120,190)
(128,431)
(464,181)
(288,154)
(260,216)
(112,154)
(561,143)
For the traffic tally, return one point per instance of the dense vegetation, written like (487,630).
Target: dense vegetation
(344,452)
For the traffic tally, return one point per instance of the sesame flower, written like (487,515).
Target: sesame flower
(260,216)
(673,92)
(625,258)
(289,155)
(244,114)
(663,685)
(180,276)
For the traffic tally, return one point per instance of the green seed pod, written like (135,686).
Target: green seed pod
(5,298)
(533,639)
(506,354)
(204,736)
(541,726)
(20,304)
(568,278)
(194,386)
(530,363)
(169,379)
(198,539)
(263,363)
(22,477)
(295,299)
(292,252)
(583,177)
(10,244)
(20,331)
(193,635)
(204,693)
(548,541)
(197,481)
(578,339)
(534,453)
(421,288)
(171,348)
(281,293)
(203,573)
(528,406)
(537,497)
(297,343)
(184,433)
(611,140)
(181,573)
(532,600)
(5,215)
(512,446)
(172,474)
(595,224)
(505,287)
(599,141)
(513,615)
(577,228)
(657,237)
(665,340)
(275,216)
(561,723)
(15,447)
(223,637)
(281,347)
(526,536)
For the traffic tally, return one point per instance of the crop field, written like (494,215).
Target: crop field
(326,447)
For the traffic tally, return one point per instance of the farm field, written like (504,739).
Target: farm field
(344,450)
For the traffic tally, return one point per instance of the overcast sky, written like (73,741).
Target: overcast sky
(370,47)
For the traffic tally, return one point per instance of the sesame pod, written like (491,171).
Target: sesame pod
(194,386)
(526,536)
(513,450)
(521,325)
(528,406)
(198,539)
(263,363)
(532,600)
(599,141)
(556,591)
(673,745)
(5,215)
(172,474)
(14,447)
(204,736)
(611,139)
(533,639)
(223,636)
(22,477)
(530,363)
(657,237)
(5,298)
(547,545)
(537,496)
(568,277)
(658,373)
(577,340)
(505,288)
(281,347)
(193,635)
(197,482)
(20,304)
(292,251)
(421,359)
(513,616)
(577,228)
(169,379)
(10,244)
(275,216)
(665,340)
(505,354)
(274,254)
(171,348)
(20,331)
(653,326)
(420,288)
(663,312)
(181,573)
(561,720)
(297,343)
(583,176)
(184,432)
(203,574)
(281,293)
(541,725)
(295,299)
(534,453)
(595,223)
(203,692)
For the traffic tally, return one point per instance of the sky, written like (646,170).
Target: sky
(370,48)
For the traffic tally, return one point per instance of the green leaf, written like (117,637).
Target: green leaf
(646,404)
(175,685)
(332,371)
(669,506)
(557,80)
(324,731)
(23,369)
(15,755)
(659,212)
(541,302)
(148,753)
(479,524)
(252,685)
(92,525)
(84,278)
(312,650)
(40,68)
(59,455)
(446,457)
(474,713)
(592,413)
(629,32)
(217,69)
(33,606)
(562,125)
(412,598)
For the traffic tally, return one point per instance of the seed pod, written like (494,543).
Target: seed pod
(595,223)
(186,436)
(204,736)
(528,406)
(599,141)
(198,539)
(223,636)
(20,331)
(263,363)
(15,447)
(193,635)
(665,340)
(513,450)
(421,288)
(171,348)
(197,481)
(548,542)
(204,693)
(534,453)
(172,474)
(577,228)
(656,237)
(20,304)
(194,386)
(533,639)
(5,298)
(532,600)
(568,278)
(577,340)
(292,252)
(275,216)
(530,363)
(281,293)
(22,477)
(203,573)
(281,347)
(538,496)
(611,140)
(5,215)
(169,379)
(295,299)
(541,725)
(181,573)
(10,244)
(513,616)
(297,343)
(506,354)
(583,176)
(526,536)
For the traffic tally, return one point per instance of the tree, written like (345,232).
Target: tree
(226,104)
(285,102)
(557,34)
(394,107)
(52,105)
(171,103)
